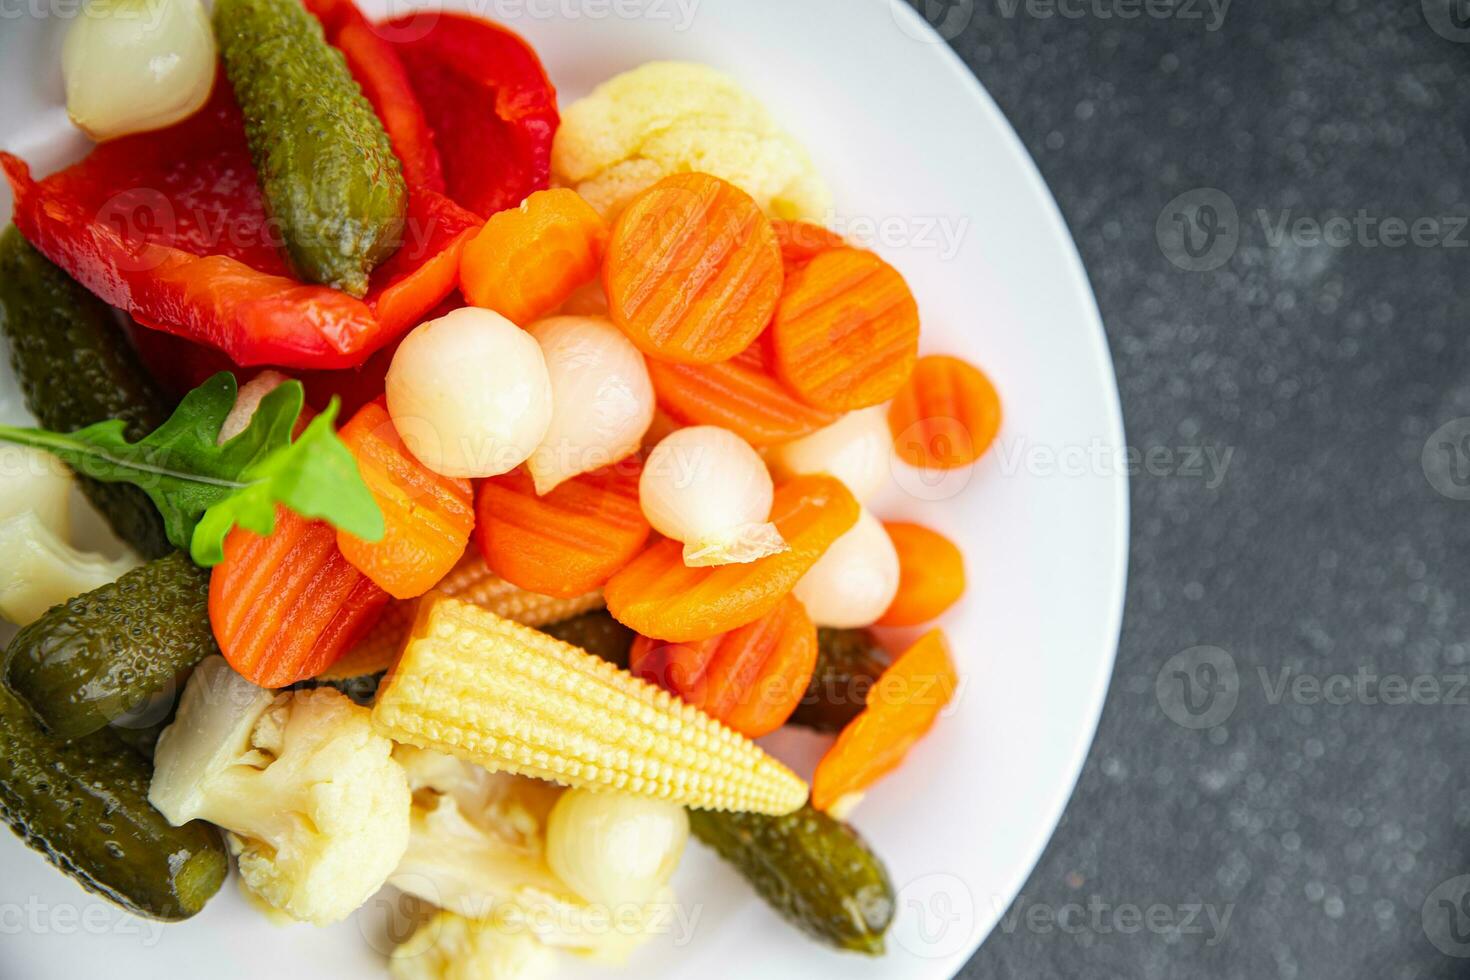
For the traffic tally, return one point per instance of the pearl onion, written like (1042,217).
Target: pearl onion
(602,398)
(857,449)
(615,848)
(706,487)
(854,583)
(469,394)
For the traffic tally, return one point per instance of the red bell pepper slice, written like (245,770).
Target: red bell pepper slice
(170,227)
(487,100)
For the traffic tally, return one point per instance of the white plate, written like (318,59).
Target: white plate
(914,147)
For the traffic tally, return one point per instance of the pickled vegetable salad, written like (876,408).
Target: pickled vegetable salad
(594,517)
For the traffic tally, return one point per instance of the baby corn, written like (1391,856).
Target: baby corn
(509,698)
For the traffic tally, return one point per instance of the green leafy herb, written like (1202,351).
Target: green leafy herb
(203,489)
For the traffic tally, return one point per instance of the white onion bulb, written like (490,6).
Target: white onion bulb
(469,394)
(705,486)
(857,449)
(854,582)
(615,848)
(601,395)
(137,65)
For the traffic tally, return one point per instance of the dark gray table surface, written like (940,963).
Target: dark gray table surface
(1305,793)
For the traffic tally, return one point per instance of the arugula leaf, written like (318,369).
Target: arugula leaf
(203,489)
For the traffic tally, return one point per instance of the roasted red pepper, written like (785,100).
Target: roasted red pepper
(488,101)
(170,227)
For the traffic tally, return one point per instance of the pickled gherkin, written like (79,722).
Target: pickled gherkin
(814,870)
(326,168)
(75,368)
(596,632)
(849,662)
(94,658)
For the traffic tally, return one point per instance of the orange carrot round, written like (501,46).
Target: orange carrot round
(657,595)
(428,517)
(526,261)
(946,416)
(846,332)
(931,574)
(740,394)
(693,270)
(802,241)
(569,541)
(901,709)
(751,678)
(284,607)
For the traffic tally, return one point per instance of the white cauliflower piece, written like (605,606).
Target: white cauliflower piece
(316,808)
(670,117)
(42,570)
(451,947)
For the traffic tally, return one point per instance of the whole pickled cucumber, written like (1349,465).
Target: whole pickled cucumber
(95,657)
(596,632)
(326,168)
(76,368)
(84,805)
(848,664)
(817,872)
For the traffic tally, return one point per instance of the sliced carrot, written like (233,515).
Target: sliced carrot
(284,607)
(428,517)
(569,541)
(846,332)
(946,416)
(740,394)
(931,574)
(526,261)
(802,241)
(657,595)
(901,709)
(751,678)
(693,270)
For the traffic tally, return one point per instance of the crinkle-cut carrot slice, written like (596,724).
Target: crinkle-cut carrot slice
(569,541)
(901,709)
(427,517)
(946,416)
(846,332)
(528,260)
(751,678)
(658,596)
(693,270)
(284,607)
(802,241)
(740,394)
(931,574)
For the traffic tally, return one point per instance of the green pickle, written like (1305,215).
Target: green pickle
(94,658)
(814,870)
(596,632)
(84,806)
(75,368)
(848,664)
(326,168)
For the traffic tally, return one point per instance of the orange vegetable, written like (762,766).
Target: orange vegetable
(946,416)
(526,261)
(751,678)
(846,332)
(901,709)
(740,395)
(571,540)
(802,241)
(657,595)
(428,517)
(931,575)
(693,270)
(286,606)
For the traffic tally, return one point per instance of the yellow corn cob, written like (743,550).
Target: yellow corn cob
(513,699)
(472,581)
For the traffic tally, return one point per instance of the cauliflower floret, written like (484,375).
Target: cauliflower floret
(451,947)
(316,808)
(672,117)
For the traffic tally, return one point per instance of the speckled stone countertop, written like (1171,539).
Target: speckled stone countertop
(1307,795)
